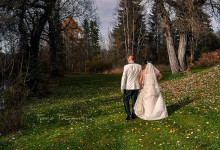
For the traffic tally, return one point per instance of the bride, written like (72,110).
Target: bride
(150,104)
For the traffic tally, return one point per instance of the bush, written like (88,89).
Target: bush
(97,65)
(115,71)
(163,67)
(15,97)
(208,59)
(10,120)
(10,116)
(204,50)
(43,88)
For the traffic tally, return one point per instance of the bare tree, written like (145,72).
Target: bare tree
(187,17)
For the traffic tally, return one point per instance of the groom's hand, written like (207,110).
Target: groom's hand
(122,91)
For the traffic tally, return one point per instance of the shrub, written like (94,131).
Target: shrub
(162,67)
(10,120)
(43,88)
(10,116)
(15,97)
(115,71)
(204,50)
(208,59)
(97,65)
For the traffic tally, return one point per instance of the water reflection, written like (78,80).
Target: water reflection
(3,86)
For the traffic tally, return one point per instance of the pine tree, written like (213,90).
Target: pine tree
(91,38)
(86,37)
(130,31)
(94,35)
(154,33)
(57,53)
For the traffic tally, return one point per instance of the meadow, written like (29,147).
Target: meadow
(87,112)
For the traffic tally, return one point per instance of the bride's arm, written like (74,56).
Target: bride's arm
(159,76)
(141,79)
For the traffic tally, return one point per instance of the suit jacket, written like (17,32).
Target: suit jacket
(131,76)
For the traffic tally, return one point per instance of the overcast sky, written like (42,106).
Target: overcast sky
(105,12)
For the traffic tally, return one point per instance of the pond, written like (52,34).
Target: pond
(3,86)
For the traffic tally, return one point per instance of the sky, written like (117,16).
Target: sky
(105,10)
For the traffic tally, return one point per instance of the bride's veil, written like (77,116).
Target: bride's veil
(150,74)
(150,81)
(150,89)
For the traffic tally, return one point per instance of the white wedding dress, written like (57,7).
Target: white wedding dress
(150,104)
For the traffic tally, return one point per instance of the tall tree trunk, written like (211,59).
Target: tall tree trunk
(23,41)
(128,28)
(182,51)
(30,48)
(174,64)
(193,49)
(133,33)
(125,33)
(57,58)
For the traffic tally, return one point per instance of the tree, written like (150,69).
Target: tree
(57,55)
(73,46)
(188,16)
(86,37)
(94,36)
(31,17)
(36,22)
(155,36)
(130,30)
(174,65)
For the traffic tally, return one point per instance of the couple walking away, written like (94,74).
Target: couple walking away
(149,104)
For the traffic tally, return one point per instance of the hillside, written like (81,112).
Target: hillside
(87,112)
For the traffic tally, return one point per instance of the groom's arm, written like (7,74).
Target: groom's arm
(123,80)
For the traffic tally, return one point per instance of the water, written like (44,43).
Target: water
(3,86)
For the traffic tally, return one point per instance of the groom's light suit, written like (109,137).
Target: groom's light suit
(130,84)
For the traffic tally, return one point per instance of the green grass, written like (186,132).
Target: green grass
(198,70)
(168,76)
(87,112)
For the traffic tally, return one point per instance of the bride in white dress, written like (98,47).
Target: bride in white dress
(150,104)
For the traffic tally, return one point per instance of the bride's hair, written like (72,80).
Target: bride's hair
(148,60)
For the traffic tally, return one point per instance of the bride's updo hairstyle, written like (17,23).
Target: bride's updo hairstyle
(148,60)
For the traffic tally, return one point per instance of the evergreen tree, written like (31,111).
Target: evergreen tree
(86,37)
(57,53)
(155,38)
(91,38)
(154,33)
(94,35)
(129,32)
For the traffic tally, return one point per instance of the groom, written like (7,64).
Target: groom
(130,85)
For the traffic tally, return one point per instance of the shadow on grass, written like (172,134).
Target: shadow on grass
(178,105)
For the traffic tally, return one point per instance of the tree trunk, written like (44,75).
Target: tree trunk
(174,65)
(125,33)
(182,51)
(30,48)
(128,28)
(193,50)
(57,57)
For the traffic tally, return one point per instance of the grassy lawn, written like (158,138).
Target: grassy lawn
(87,112)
